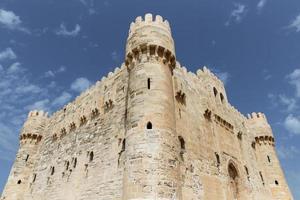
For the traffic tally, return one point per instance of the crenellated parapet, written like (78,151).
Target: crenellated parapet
(151,37)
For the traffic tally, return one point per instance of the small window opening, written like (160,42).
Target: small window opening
(149,125)
(182,143)
(52,171)
(218,158)
(123,145)
(222,97)
(75,163)
(215,91)
(91,156)
(182,147)
(67,165)
(122,150)
(19,182)
(262,178)
(27,157)
(269,159)
(149,83)
(246,169)
(179,111)
(34,178)
(276,182)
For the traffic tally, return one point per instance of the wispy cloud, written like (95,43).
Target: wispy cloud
(295,24)
(223,76)
(261,4)
(65,32)
(53,73)
(8,53)
(292,124)
(294,79)
(10,20)
(90,6)
(62,99)
(80,84)
(288,152)
(237,14)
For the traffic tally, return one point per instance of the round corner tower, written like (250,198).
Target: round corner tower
(270,172)
(151,163)
(21,174)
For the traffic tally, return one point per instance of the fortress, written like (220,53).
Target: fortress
(149,130)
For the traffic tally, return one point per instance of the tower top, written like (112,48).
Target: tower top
(150,34)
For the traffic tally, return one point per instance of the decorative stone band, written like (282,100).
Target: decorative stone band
(265,140)
(151,50)
(29,136)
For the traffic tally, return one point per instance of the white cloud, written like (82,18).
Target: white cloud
(14,68)
(287,152)
(62,99)
(80,84)
(53,73)
(261,4)
(65,32)
(292,124)
(295,24)
(10,20)
(294,79)
(237,14)
(289,103)
(8,53)
(224,76)
(39,105)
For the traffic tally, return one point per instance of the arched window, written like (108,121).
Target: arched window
(215,91)
(19,182)
(234,182)
(149,125)
(91,156)
(276,182)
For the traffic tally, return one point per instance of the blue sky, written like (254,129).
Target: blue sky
(51,50)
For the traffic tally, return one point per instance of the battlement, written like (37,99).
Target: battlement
(35,113)
(206,72)
(158,21)
(254,116)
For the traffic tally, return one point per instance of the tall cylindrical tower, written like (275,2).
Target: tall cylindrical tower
(151,163)
(270,172)
(21,174)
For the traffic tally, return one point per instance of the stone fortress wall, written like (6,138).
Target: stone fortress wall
(149,130)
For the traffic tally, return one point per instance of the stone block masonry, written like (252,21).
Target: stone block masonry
(149,130)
